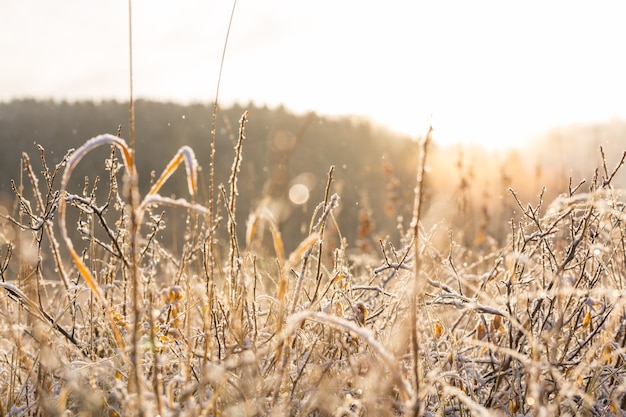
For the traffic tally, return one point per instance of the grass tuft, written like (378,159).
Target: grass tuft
(532,327)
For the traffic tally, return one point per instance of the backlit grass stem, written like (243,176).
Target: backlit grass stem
(418,282)
(232,207)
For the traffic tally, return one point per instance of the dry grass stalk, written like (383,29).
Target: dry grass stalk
(536,327)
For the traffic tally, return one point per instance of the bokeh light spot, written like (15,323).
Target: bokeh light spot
(299,194)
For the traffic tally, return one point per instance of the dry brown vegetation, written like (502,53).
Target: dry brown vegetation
(113,320)
(109,307)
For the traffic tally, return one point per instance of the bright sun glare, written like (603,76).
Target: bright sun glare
(487,72)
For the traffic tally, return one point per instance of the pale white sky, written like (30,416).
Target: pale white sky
(492,72)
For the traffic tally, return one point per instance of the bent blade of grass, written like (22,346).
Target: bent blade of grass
(475,408)
(300,252)
(295,321)
(303,248)
(252,225)
(73,160)
(187,155)
(277,240)
(95,142)
(180,202)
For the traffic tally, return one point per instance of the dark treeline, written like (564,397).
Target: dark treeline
(280,148)
(374,168)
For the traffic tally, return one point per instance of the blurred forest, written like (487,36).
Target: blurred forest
(374,167)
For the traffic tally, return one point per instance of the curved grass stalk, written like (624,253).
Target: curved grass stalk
(191,165)
(82,268)
(417,407)
(295,321)
(252,225)
(185,154)
(73,160)
(158,199)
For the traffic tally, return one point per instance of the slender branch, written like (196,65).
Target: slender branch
(418,406)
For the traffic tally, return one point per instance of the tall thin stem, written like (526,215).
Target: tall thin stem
(133,191)
(416,296)
(209,249)
(232,207)
(212,155)
(131,120)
